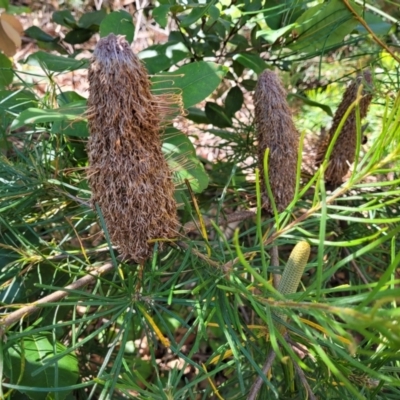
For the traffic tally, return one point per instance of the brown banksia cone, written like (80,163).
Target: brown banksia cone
(276,131)
(344,150)
(128,174)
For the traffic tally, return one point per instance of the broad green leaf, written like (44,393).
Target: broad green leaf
(160,14)
(64,18)
(234,101)
(4,4)
(55,63)
(35,32)
(274,11)
(67,97)
(196,81)
(217,115)
(379,26)
(197,115)
(13,103)
(182,158)
(38,116)
(120,23)
(31,353)
(6,73)
(71,128)
(92,20)
(323,26)
(249,84)
(271,36)
(77,36)
(195,14)
(252,61)
(161,57)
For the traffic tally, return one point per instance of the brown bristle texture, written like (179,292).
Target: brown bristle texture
(276,132)
(128,174)
(344,150)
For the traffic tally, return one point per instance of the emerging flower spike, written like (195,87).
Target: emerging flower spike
(128,174)
(276,131)
(343,152)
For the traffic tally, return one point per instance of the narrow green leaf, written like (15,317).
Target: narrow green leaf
(313,103)
(120,23)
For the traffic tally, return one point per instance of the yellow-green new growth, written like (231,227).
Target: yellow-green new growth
(294,268)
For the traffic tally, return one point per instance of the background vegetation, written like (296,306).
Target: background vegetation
(202,320)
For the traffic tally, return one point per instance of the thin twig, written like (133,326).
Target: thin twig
(259,381)
(370,31)
(303,379)
(17,315)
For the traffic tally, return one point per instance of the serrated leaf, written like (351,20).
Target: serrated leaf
(161,57)
(252,61)
(217,115)
(6,73)
(182,158)
(196,81)
(55,63)
(31,353)
(234,101)
(120,23)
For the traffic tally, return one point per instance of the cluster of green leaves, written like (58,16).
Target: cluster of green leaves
(208,304)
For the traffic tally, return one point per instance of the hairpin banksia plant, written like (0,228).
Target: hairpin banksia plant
(343,152)
(128,174)
(276,131)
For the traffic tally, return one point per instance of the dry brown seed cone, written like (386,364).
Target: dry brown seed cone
(276,131)
(128,175)
(343,152)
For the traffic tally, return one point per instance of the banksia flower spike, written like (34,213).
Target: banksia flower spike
(343,152)
(129,177)
(276,131)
